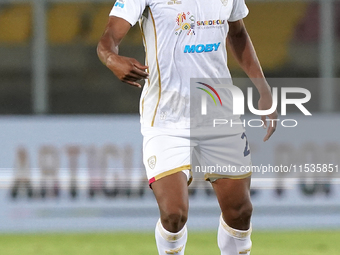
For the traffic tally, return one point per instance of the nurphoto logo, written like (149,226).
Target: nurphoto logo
(238,103)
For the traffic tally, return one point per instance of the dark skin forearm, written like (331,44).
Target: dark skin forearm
(110,39)
(243,51)
(128,70)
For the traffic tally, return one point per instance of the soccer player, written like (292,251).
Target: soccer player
(186,39)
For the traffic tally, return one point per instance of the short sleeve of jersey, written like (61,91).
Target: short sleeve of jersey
(130,10)
(240,10)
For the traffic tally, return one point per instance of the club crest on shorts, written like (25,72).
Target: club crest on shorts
(152,162)
(224,2)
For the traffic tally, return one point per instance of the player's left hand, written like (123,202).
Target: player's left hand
(265,103)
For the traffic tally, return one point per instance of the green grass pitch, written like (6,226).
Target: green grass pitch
(199,243)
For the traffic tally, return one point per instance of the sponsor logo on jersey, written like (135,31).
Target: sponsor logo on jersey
(120,3)
(172,2)
(185,22)
(200,48)
(211,22)
(152,162)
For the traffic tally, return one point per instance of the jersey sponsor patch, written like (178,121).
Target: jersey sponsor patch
(120,3)
(211,22)
(185,22)
(201,48)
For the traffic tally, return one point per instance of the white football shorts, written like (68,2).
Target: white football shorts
(213,155)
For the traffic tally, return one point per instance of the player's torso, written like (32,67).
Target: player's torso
(184,39)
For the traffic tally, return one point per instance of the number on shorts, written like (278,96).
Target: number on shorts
(246,151)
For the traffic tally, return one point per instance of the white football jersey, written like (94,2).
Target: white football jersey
(183,39)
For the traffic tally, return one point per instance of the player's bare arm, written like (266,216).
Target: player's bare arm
(243,50)
(128,70)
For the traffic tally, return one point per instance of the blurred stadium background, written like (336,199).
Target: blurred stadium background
(70,153)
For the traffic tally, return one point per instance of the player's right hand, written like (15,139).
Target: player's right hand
(265,103)
(128,70)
